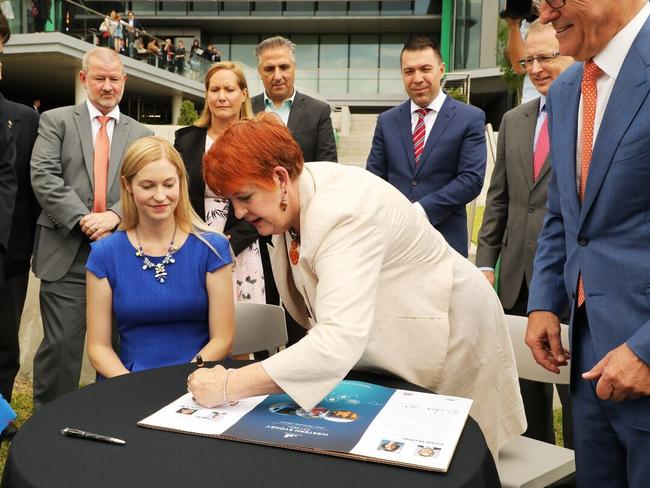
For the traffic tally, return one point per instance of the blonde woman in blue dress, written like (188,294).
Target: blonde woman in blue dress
(165,276)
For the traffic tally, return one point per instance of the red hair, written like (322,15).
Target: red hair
(246,153)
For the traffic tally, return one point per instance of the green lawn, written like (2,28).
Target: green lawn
(478,220)
(21,402)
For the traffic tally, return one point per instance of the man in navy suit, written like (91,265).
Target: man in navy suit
(593,249)
(431,147)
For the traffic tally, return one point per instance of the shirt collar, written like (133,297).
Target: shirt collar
(611,58)
(286,101)
(435,105)
(94,112)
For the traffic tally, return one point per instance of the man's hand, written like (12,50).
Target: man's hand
(543,338)
(98,225)
(621,375)
(490,277)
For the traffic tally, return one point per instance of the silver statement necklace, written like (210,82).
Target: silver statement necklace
(160,273)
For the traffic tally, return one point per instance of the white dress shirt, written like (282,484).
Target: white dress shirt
(609,60)
(95,125)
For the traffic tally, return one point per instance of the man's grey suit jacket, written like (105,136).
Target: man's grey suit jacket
(515,207)
(62,179)
(310,124)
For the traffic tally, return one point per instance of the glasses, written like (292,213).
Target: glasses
(553,3)
(541,59)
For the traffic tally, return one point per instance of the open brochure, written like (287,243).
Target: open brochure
(356,420)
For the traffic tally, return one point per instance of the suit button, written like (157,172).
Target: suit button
(583,241)
(531,210)
(573,295)
(414,183)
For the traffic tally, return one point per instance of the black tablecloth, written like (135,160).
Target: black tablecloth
(41,457)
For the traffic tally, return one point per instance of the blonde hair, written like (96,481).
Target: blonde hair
(147,150)
(246,111)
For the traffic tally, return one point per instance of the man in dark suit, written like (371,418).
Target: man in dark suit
(514,213)
(133,30)
(593,248)
(75,176)
(308,119)
(21,122)
(431,147)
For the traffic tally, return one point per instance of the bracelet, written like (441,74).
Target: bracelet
(225,388)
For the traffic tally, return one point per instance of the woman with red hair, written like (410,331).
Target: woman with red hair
(375,284)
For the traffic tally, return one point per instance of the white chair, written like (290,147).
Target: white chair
(524,462)
(258,327)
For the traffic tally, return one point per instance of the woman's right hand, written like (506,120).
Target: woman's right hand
(207,385)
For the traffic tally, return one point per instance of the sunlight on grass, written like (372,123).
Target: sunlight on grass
(478,220)
(21,402)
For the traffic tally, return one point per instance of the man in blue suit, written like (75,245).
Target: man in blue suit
(431,147)
(596,235)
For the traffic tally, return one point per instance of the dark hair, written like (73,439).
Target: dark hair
(5,31)
(420,42)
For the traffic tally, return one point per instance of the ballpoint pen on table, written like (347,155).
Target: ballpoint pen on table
(89,435)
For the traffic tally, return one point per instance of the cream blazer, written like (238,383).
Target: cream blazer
(382,291)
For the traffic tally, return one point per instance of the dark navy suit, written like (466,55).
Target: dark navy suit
(607,240)
(451,169)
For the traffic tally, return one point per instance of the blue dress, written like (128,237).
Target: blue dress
(159,324)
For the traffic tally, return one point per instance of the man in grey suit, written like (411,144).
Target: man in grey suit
(515,209)
(68,187)
(308,119)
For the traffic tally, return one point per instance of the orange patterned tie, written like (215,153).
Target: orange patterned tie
(589,98)
(100,165)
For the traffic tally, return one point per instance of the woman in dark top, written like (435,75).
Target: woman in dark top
(226,100)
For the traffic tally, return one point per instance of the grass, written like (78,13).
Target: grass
(22,403)
(478,220)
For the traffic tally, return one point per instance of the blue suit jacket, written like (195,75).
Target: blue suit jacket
(451,169)
(607,238)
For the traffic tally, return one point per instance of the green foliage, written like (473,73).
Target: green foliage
(456,92)
(188,113)
(514,81)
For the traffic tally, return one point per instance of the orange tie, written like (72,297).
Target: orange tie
(100,165)
(589,98)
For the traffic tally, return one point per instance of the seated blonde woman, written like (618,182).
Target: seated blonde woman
(165,276)
(376,285)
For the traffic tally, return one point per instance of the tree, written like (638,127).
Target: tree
(188,113)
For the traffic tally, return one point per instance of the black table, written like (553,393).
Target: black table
(41,457)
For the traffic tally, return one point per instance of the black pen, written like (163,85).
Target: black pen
(199,361)
(94,437)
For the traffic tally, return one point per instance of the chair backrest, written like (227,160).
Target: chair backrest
(258,327)
(527,368)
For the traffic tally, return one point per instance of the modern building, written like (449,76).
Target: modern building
(347,51)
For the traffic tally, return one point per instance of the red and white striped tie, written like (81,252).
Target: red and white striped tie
(418,134)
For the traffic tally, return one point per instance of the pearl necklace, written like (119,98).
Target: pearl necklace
(159,269)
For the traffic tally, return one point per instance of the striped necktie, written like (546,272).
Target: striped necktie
(418,134)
